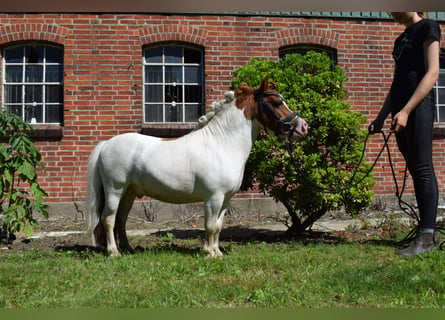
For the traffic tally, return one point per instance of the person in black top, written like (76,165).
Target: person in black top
(411,104)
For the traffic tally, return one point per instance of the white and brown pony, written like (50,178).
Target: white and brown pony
(205,165)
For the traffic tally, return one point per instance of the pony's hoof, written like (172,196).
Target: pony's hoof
(128,250)
(114,253)
(216,253)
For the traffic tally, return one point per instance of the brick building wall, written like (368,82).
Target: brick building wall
(103,75)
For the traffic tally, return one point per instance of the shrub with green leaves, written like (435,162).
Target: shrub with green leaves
(329,156)
(20,193)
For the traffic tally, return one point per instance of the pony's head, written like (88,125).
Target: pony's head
(271,110)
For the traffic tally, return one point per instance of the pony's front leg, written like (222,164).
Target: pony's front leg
(214,216)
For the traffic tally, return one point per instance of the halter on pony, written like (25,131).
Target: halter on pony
(285,125)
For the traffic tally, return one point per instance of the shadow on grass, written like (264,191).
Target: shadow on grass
(247,235)
(176,240)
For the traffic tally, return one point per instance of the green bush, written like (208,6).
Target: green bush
(20,194)
(329,155)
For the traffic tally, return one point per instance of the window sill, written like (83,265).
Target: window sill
(47,132)
(167,130)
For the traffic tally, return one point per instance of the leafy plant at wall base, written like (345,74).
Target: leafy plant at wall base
(20,193)
(313,87)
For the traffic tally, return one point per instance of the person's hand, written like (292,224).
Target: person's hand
(375,126)
(399,121)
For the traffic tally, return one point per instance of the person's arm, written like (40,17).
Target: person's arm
(377,124)
(431,49)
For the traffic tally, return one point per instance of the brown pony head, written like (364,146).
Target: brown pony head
(268,107)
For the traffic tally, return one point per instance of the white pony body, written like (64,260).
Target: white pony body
(189,169)
(205,165)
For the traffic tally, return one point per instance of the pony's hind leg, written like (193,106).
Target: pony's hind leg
(99,236)
(108,219)
(125,206)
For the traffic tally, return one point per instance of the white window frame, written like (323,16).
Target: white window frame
(199,105)
(23,104)
(439,88)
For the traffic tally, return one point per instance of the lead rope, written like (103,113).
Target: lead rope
(350,184)
(405,207)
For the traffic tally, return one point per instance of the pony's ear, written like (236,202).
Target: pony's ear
(273,85)
(243,88)
(265,84)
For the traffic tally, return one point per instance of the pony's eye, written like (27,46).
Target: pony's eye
(277,103)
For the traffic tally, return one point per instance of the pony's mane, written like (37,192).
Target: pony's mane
(216,107)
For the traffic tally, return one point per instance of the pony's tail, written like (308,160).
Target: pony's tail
(95,199)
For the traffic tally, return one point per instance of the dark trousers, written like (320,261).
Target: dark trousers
(416,145)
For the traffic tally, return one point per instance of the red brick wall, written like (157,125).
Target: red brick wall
(103,74)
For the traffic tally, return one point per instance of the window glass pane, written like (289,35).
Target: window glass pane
(441,113)
(153,93)
(54,55)
(441,96)
(34,114)
(14,73)
(173,74)
(34,73)
(173,93)
(14,55)
(54,114)
(173,113)
(193,74)
(154,113)
(193,93)
(153,74)
(441,80)
(33,93)
(192,56)
(173,55)
(17,110)
(192,112)
(34,54)
(31,63)
(170,66)
(153,55)
(54,93)
(13,94)
(54,73)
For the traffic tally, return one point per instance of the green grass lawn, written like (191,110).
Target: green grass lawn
(174,273)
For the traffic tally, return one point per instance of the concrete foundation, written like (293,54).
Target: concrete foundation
(157,211)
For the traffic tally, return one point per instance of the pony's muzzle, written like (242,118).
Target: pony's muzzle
(298,129)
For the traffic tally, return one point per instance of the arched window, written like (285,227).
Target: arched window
(33,82)
(173,83)
(303,48)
